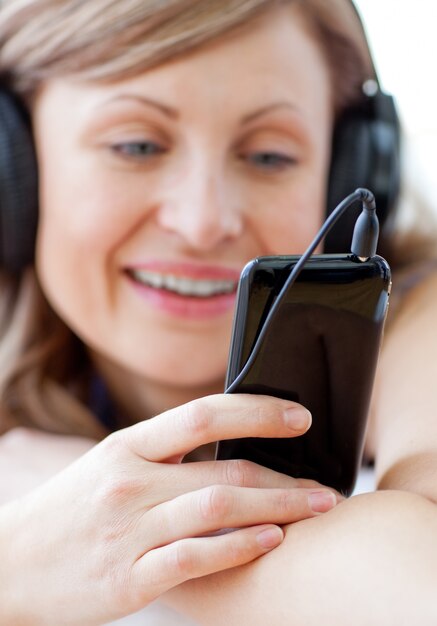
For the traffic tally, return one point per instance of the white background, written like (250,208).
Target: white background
(403,39)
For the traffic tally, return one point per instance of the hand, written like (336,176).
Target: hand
(126,521)
(29,457)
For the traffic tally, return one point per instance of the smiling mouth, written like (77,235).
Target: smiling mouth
(182,285)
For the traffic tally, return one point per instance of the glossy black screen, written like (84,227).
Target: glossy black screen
(320,351)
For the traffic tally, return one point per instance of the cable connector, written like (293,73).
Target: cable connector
(366,230)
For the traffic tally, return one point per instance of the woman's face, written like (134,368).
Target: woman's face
(156,191)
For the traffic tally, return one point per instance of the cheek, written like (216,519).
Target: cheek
(83,211)
(87,209)
(292,219)
(79,228)
(287,214)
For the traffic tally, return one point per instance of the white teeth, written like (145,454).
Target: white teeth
(184,286)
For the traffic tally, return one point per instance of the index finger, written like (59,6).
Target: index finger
(225,416)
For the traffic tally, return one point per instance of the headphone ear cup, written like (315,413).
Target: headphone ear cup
(365,153)
(349,170)
(18,185)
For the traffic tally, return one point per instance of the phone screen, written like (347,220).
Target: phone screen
(321,351)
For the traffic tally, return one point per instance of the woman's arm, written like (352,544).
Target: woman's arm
(372,560)
(29,457)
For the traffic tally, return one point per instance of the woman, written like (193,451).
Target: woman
(175,141)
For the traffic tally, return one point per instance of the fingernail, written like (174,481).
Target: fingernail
(298,419)
(321,501)
(270,537)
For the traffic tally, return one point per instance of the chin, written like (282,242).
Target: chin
(180,360)
(210,379)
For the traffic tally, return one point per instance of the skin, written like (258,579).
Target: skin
(148,510)
(371,560)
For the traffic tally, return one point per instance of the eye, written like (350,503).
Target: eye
(138,149)
(270,160)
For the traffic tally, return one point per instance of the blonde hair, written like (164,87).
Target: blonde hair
(44,370)
(113,39)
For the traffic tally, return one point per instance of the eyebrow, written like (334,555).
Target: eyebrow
(165,109)
(267,109)
(173,114)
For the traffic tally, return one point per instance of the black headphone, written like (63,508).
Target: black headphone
(365,153)
(18,185)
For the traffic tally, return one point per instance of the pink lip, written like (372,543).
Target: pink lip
(185,307)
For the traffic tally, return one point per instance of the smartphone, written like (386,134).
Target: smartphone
(320,350)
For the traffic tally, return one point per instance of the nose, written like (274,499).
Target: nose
(203,209)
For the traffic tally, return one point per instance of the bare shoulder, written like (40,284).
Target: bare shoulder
(404,407)
(420,298)
(409,343)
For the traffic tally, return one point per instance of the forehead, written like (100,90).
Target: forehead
(272,46)
(274,57)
